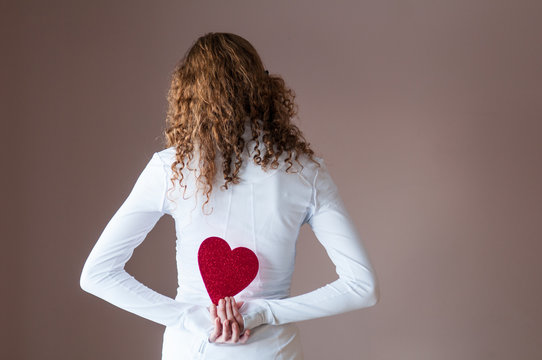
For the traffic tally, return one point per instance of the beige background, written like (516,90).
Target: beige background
(428,113)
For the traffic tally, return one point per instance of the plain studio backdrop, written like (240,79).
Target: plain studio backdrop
(427,112)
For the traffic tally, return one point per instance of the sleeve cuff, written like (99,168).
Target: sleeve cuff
(197,320)
(255,313)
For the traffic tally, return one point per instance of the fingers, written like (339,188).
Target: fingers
(228,322)
(237,315)
(213,312)
(217,330)
(222,310)
(243,339)
(229,310)
(235,332)
(226,330)
(224,335)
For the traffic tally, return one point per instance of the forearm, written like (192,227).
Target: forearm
(334,298)
(122,290)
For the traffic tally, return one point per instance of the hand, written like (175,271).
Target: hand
(228,309)
(228,322)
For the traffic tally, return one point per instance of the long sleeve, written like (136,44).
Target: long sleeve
(103,273)
(356,286)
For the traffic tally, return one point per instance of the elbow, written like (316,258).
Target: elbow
(96,280)
(373,295)
(373,291)
(367,290)
(87,280)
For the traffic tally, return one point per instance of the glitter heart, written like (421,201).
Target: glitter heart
(225,272)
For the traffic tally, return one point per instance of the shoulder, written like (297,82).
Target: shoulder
(308,168)
(167,156)
(319,176)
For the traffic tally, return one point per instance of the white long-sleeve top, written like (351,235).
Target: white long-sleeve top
(264,213)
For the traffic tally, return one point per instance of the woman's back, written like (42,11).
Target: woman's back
(264,212)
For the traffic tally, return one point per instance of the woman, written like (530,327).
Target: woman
(229,133)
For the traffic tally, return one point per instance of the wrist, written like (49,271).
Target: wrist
(255,313)
(196,319)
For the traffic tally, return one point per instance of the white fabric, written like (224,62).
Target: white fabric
(264,212)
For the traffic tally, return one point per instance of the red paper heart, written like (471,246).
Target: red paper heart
(225,272)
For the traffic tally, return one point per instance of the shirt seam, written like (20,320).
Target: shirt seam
(314,200)
(229,213)
(164,190)
(312,203)
(254,230)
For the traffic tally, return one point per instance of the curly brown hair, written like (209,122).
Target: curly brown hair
(218,85)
